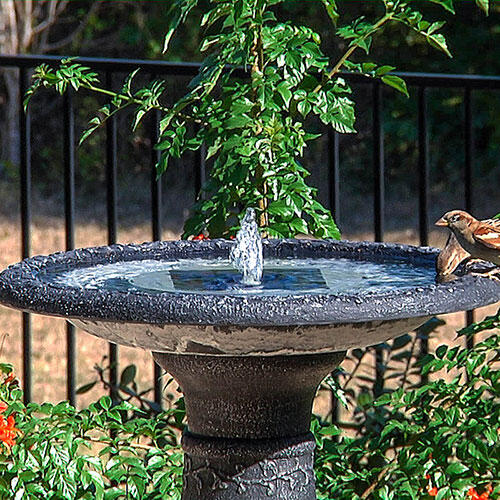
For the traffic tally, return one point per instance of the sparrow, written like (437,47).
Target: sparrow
(450,257)
(469,238)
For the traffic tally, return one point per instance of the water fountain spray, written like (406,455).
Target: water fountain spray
(246,255)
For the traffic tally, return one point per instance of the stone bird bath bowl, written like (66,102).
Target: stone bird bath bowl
(249,360)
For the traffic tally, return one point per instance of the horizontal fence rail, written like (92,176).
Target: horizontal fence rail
(422,81)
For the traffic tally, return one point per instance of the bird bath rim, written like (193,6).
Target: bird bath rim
(22,288)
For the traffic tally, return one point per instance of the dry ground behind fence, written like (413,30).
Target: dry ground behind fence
(49,348)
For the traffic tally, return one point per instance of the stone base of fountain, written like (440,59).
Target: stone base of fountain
(248,420)
(232,469)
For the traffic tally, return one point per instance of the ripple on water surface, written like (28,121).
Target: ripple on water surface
(216,276)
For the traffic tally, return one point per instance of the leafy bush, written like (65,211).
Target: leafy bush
(439,440)
(103,452)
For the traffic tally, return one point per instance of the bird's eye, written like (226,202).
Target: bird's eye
(455,218)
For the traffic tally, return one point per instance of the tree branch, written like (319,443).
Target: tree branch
(47,23)
(381,474)
(352,48)
(77,32)
(11,29)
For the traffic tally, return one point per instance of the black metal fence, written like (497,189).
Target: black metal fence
(465,83)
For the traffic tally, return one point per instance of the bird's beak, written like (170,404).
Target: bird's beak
(441,222)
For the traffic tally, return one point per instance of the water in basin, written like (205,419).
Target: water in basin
(217,276)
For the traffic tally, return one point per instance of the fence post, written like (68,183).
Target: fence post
(111,206)
(25,177)
(69,214)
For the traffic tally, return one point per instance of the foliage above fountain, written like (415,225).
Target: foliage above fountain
(264,85)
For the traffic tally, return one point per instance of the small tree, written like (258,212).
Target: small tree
(251,104)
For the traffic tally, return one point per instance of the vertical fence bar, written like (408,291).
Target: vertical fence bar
(423,167)
(334,201)
(200,170)
(378,206)
(378,163)
(156,185)
(334,172)
(468,181)
(25,186)
(111,207)
(423,190)
(156,222)
(69,214)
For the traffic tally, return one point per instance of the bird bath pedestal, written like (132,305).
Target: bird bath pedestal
(249,364)
(249,420)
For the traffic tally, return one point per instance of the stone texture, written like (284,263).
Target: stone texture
(248,420)
(218,469)
(251,397)
(250,340)
(22,286)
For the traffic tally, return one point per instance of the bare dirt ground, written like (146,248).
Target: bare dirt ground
(49,341)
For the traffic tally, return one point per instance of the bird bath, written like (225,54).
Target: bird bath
(248,358)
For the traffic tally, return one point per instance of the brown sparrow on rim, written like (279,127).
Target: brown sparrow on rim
(450,257)
(470,237)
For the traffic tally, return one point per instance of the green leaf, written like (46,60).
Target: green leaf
(105,402)
(331,9)
(138,116)
(128,375)
(456,468)
(382,70)
(86,388)
(484,4)
(396,82)
(439,42)
(331,430)
(443,493)
(298,225)
(304,108)
(280,208)
(446,4)
(178,13)
(441,351)
(126,89)
(237,121)
(285,92)
(6,368)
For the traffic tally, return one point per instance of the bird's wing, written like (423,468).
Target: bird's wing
(451,256)
(492,222)
(488,235)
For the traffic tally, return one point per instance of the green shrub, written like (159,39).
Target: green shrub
(440,439)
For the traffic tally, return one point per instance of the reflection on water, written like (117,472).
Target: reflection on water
(217,276)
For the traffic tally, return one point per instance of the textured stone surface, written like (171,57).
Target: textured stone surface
(248,420)
(251,397)
(218,469)
(22,286)
(251,341)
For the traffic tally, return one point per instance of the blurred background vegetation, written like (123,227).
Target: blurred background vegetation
(135,29)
